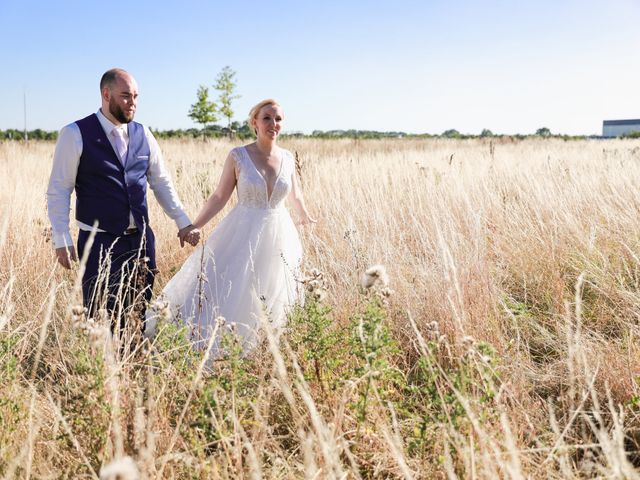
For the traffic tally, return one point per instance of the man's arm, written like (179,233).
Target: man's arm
(61,183)
(160,182)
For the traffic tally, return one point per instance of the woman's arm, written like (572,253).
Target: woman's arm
(220,197)
(296,199)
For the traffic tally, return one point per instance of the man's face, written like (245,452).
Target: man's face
(123,98)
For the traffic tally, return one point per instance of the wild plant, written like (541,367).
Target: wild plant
(315,336)
(372,345)
(225,396)
(444,379)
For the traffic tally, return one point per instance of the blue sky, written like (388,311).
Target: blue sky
(414,66)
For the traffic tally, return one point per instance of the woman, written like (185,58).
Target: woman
(247,269)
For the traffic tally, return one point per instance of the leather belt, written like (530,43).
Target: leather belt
(130,231)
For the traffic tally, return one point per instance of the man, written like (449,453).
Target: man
(109,159)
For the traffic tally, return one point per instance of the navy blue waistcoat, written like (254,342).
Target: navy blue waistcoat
(105,190)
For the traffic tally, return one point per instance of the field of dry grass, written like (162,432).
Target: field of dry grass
(508,348)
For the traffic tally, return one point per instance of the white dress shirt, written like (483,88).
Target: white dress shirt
(63,179)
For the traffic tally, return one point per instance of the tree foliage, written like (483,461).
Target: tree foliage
(451,133)
(204,110)
(634,134)
(226,84)
(37,134)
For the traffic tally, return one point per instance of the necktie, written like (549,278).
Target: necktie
(121,145)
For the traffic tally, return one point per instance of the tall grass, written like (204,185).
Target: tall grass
(508,348)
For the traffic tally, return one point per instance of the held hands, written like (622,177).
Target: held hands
(306,220)
(189,234)
(65,256)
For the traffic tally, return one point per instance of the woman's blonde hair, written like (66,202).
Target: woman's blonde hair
(253,113)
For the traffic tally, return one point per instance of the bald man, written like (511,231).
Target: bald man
(108,159)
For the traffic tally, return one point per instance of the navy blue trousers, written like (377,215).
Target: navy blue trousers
(132,255)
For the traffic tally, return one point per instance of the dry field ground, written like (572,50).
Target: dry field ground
(509,347)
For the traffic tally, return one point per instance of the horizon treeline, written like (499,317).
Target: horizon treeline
(243,131)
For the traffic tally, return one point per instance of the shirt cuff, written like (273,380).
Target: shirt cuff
(62,239)
(182,221)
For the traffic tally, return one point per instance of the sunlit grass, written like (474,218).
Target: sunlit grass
(508,348)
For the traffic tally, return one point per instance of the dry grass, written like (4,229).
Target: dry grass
(507,350)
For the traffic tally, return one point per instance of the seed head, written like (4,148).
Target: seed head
(78,316)
(375,274)
(122,469)
(433,331)
(384,294)
(468,341)
(97,334)
(316,285)
(319,294)
(160,307)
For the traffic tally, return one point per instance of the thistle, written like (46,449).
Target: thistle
(121,469)
(375,274)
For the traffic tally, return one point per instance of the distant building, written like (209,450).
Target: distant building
(617,128)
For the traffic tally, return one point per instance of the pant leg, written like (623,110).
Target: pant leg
(137,260)
(94,288)
(126,288)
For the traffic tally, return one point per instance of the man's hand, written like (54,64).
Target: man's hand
(65,256)
(189,234)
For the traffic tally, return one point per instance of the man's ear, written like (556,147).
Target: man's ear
(106,93)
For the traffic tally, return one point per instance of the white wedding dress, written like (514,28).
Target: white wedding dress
(248,269)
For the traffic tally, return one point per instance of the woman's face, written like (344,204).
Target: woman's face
(269,121)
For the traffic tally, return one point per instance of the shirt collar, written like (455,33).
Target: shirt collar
(107,126)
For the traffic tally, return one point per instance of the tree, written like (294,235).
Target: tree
(486,133)
(543,132)
(451,133)
(243,130)
(226,84)
(204,110)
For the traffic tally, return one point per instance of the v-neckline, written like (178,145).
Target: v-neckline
(266,185)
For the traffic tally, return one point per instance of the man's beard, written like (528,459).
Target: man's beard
(118,113)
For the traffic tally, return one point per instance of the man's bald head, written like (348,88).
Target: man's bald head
(110,77)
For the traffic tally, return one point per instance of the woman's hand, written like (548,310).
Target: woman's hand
(189,234)
(307,219)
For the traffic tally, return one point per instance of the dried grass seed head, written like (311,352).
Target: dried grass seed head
(316,285)
(376,274)
(160,307)
(121,469)
(468,341)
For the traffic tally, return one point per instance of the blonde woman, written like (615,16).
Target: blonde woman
(247,269)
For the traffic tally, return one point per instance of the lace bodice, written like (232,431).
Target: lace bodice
(252,186)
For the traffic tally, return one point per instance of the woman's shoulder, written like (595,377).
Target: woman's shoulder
(286,154)
(237,154)
(237,151)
